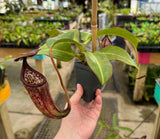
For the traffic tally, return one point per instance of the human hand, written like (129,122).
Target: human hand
(82,120)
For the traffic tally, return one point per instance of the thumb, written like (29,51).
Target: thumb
(75,99)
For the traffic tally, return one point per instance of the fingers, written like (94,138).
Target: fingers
(98,100)
(97,103)
(77,95)
(98,96)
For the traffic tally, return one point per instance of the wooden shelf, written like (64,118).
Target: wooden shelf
(5,124)
(15,52)
(144,60)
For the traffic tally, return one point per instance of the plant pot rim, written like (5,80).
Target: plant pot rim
(82,66)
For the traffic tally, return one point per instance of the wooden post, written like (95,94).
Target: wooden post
(156,129)
(129,48)
(39,65)
(139,83)
(5,125)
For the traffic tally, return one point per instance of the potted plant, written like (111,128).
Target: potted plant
(2,71)
(147,35)
(59,46)
(60,15)
(151,18)
(27,36)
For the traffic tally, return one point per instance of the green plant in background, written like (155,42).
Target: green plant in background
(73,13)
(2,62)
(124,11)
(152,74)
(146,33)
(2,70)
(21,17)
(30,35)
(13,7)
(98,61)
(108,8)
(104,6)
(154,17)
(64,14)
(114,130)
(21,30)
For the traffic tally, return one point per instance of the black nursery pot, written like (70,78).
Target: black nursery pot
(2,76)
(88,80)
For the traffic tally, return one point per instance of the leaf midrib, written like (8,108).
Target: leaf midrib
(100,69)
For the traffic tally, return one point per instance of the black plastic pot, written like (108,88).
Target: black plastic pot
(66,22)
(148,48)
(88,80)
(2,76)
(122,19)
(14,45)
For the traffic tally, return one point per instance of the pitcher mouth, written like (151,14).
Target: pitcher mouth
(31,77)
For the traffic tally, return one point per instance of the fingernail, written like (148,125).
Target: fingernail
(98,90)
(78,85)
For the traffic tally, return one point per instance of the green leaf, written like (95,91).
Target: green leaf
(121,33)
(117,53)
(123,128)
(101,123)
(53,32)
(44,46)
(50,42)
(68,35)
(100,128)
(112,137)
(19,41)
(100,65)
(114,120)
(75,33)
(79,46)
(25,42)
(61,51)
(2,66)
(86,37)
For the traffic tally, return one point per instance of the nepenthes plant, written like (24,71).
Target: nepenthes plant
(59,46)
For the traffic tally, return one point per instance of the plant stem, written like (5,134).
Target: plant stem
(60,78)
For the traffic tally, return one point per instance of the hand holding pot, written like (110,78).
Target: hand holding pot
(82,120)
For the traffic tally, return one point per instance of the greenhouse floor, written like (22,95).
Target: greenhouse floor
(27,122)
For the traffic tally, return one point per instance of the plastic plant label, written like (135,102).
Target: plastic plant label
(157,91)
(4,93)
